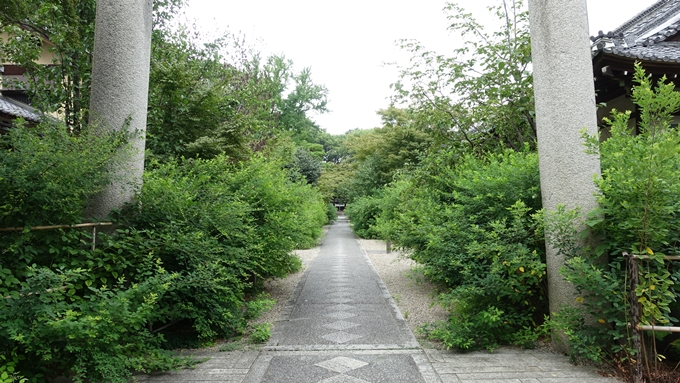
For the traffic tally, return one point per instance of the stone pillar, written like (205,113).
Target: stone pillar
(565,104)
(120,87)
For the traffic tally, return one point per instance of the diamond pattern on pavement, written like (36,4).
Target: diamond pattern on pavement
(341,325)
(339,300)
(341,337)
(340,315)
(343,379)
(345,289)
(339,294)
(340,307)
(342,364)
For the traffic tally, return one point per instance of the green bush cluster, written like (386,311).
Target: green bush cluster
(470,223)
(331,212)
(223,228)
(639,194)
(38,163)
(65,307)
(363,213)
(185,262)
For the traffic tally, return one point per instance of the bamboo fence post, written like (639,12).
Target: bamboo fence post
(635,318)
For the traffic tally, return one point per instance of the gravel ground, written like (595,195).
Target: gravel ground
(280,289)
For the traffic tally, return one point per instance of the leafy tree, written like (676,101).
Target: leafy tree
(296,96)
(335,150)
(307,165)
(219,97)
(333,183)
(379,154)
(482,97)
(64,29)
(198,104)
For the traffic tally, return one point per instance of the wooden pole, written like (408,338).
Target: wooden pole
(89,224)
(635,319)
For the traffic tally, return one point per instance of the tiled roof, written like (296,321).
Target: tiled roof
(644,36)
(18,109)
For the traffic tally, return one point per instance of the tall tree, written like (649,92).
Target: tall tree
(196,101)
(377,155)
(65,28)
(481,97)
(220,97)
(297,97)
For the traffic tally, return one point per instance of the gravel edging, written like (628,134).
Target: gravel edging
(280,289)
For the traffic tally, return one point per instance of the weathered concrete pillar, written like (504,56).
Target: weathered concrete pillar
(565,104)
(120,87)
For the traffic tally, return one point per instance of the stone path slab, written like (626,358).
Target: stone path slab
(341,301)
(511,366)
(220,367)
(342,366)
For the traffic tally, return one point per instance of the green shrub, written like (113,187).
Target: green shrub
(202,239)
(262,333)
(99,336)
(8,367)
(362,213)
(224,228)
(47,173)
(81,312)
(638,195)
(261,304)
(331,212)
(70,310)
(470,222)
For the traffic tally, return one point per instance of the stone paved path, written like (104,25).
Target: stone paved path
(342,326)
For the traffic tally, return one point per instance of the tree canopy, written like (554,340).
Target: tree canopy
(481,98)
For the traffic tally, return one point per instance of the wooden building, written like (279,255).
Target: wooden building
(652,38)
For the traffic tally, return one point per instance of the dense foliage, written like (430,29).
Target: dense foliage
(221,98)
(221,228)
(36,163)
(187,258)
(481,97)
(64,305)
(461,193)
(638,194)
(372,158)
(468,222)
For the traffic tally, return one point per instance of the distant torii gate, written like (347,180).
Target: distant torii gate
(565,104)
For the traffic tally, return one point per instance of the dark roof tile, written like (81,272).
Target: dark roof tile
(18,109)
(644,36)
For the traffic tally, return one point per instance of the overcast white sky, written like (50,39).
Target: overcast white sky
(346,42)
